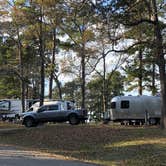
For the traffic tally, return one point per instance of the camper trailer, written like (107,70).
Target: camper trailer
(11,108)
(135,109)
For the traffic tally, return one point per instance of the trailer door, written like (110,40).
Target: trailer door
(136,107)
(124,109)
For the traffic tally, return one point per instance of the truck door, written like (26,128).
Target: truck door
(57,112)
(48,112)
(53,112)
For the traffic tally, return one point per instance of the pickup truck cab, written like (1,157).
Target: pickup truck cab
(54,111)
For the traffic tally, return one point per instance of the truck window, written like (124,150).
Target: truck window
(113,105)
(69,107)
(53,107)
(124,104)
(42,109)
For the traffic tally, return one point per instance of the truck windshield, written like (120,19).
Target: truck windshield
(30,109)
(113,104)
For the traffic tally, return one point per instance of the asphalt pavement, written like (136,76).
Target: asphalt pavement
(14,156)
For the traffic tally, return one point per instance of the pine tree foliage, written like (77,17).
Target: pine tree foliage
(46,39)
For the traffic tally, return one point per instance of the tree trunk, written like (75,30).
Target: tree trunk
(21,72)
(140,73)
(160,62)
(50,86)
(83,77)
(41,51)
(104,84)
(52,64)
(58,85)
(27,95)
(153,79)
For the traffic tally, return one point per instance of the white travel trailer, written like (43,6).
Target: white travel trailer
(11,108)
(137,109)
(12,105)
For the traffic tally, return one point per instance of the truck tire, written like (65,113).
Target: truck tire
(73,119)
(29,122)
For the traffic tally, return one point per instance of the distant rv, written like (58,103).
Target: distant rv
(11,108)
(15,105)
(135,109)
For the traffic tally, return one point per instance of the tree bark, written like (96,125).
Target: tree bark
(153,79)
(104,84)
(52,64)
(140,73)
(58,86)
(83,76)
(41,51)
(21,71)
(160,62)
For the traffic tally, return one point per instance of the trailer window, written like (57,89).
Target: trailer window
(125,104)
(113,105)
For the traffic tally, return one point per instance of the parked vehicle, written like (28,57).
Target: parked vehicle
(53,111)
(66,105)
(10,108)
(137,109)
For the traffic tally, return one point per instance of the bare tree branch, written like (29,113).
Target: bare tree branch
(139,22)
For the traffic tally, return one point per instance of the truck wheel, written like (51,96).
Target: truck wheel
(29,122)
(73,119)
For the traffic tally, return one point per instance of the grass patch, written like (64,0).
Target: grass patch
(7,125)
(107,145)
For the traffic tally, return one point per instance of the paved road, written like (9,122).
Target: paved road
(12,156)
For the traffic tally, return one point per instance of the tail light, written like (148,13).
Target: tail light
(84,112)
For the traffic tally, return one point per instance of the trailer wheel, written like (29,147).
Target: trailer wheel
(122,123)
(130,123)
(152,121)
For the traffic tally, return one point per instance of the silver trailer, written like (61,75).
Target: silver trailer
(135,109)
